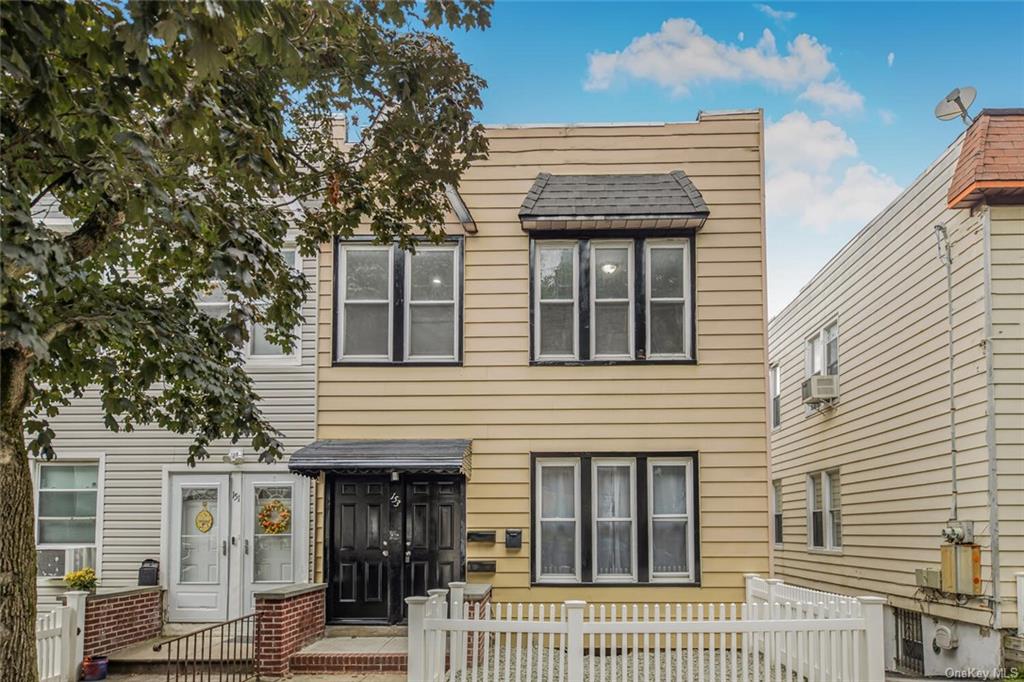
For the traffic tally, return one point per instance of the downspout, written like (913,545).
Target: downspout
(946,256)
(990,424)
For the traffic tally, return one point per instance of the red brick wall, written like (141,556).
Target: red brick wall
(286,625)
(114,621)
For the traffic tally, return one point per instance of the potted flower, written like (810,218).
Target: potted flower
(83,580)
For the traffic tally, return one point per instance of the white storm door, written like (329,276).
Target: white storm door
(199,538)
(273,533)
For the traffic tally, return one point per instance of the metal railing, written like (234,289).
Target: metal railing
(226,652)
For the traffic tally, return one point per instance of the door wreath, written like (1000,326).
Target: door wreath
(274,517)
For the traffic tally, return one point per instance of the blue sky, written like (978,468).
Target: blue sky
(847,88)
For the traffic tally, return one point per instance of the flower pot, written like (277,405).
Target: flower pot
(94,668)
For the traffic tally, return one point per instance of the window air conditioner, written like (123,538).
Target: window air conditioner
(820,388)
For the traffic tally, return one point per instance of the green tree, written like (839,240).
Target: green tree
(181,138)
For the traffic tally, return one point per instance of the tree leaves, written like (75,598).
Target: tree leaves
(185,143)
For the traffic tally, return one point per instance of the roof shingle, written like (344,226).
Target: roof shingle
(991,163)
(660,200)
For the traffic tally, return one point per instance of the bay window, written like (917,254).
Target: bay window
(612,300)
(398,307)
(615,518)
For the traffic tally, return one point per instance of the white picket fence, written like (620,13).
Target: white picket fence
(60,639)
(838,640)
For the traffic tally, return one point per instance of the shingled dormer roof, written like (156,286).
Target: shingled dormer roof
(645,201)
(991,164)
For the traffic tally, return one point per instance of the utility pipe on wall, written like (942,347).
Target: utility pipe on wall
(946,256)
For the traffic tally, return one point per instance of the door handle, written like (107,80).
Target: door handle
(408,556)
(385,553)
(224,547)
(245,545)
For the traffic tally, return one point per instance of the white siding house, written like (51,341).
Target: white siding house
(135,497)
(865,481)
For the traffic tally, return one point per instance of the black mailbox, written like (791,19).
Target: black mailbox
(149,572)
(513,538)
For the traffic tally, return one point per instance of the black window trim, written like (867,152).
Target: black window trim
(586,569)
(398,306)
(639,238)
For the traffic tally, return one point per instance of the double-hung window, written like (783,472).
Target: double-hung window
(613,300)
(67,516)
(262,349)
(558,524)
(824,517)
(775,395)
(557,303)
(668,286)
(822,351)
(394,306)
(777,512)
(615,518)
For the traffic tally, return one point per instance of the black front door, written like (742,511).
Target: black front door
(359,561)
(387,540)
(435,532)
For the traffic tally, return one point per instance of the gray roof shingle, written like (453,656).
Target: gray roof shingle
(656,200)
(375,456)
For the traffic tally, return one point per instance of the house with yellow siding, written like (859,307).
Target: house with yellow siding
(566,397)
(883,476)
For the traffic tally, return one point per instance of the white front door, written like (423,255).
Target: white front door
(199,546)
(272,507)
(254,540)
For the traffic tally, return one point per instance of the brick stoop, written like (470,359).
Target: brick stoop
(318,662)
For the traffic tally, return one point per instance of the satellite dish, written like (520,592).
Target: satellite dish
(956,104)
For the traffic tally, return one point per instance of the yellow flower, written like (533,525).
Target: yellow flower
(84,579)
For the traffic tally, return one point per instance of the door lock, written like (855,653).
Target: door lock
(408,556)
(245,545)
(224,547)
(385,553)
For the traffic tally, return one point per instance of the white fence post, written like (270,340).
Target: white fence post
(75,648)
(1020,604)
(773,589)
(437,639)
(748,585)
(416,661)
(457,590)
(874,644)
(574,650)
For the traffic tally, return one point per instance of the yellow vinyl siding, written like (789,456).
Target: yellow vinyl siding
(510,409)
(888,434)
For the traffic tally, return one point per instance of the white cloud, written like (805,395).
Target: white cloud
(741,36)
(888,117)
(777,15)
(680,54)
(890,58)
(806,184)
(834,97)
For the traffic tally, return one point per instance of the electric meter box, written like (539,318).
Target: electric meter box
(961,569)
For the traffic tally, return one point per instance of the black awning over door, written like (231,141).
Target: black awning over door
(441,456)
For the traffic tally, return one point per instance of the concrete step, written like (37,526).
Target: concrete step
(366,631)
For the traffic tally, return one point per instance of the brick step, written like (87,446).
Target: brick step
(350,662)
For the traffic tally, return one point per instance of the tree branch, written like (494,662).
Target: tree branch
(61,179)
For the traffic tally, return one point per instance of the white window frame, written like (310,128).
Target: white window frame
(777,538)
(832,509)
(829,544)
(293,358)
(541,246)
(99,459)
(687,463)
(612,462)
(559,462)
(817,345)
(774,393)
(341,296)
(687,300)
(454,302)
(595,245)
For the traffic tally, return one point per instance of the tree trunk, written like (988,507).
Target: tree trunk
(17,531)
